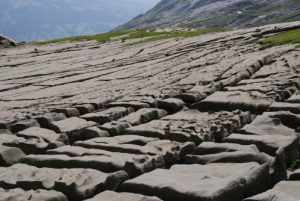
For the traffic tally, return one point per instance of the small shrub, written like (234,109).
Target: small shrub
(295,165)
(292,37)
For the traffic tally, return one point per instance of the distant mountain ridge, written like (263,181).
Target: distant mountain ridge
(216,13)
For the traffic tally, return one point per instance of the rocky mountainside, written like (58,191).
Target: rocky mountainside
(216,13)
(213,117)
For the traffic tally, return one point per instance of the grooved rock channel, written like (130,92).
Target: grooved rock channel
(207,118)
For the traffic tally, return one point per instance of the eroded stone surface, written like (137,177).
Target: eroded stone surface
(31,195)
(46,119)
(294,99)
(105,161)
(107,115)
(218,181)
(10,155)
(287,118)
(292,107)
(209,152)
(171,104)
(295,175)
(253,101)
(36,132)
(65,75)
(283,191)
(193,126)
(86,108)
(74,128)
(28,146)
(144,115)
(113,196)
(134,144)
(19,126)
(136,105)
(266,125)
(269,143)
(105,98)
(76,184)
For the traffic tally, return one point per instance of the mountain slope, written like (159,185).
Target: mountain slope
(216,13)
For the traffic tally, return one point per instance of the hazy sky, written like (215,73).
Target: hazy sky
(43,19)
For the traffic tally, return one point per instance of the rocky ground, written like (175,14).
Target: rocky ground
(213,117)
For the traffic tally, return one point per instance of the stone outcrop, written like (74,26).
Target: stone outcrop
(7,42)
(211,117)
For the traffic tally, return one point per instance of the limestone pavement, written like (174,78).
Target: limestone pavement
(212,117)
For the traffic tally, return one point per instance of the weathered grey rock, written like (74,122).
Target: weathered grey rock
(93,132)
(8,138)
(18,194)
(45,134)
(283,191)
(115,127)
(69,112)
(151,101)
(154,128)
(136,105)
(213,148)
(287,118)
(292,107)
(86,108)
(33,146)
(269,143)
(171,104)
(106,161)
(193,126)
(144,115)
(107,115)
(74,128)
(5,131)
(4,125)
(232,100)
(162,70)
(76,184)
(199,92)
(113,196)
(10,155)
(7,43)
(103,161)
(295,175)
(191,96)
(265,125)
(294,99)
(45,120)
(99,103)
(28,146)
(232,157)
(209,152)
(217,181)
(171,151)
(22,125)
(278,90)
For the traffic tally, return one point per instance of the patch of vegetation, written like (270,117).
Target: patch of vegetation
(295,165)
(101,38)
(146,36)
(212,23)
(287,37)
(178,34)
